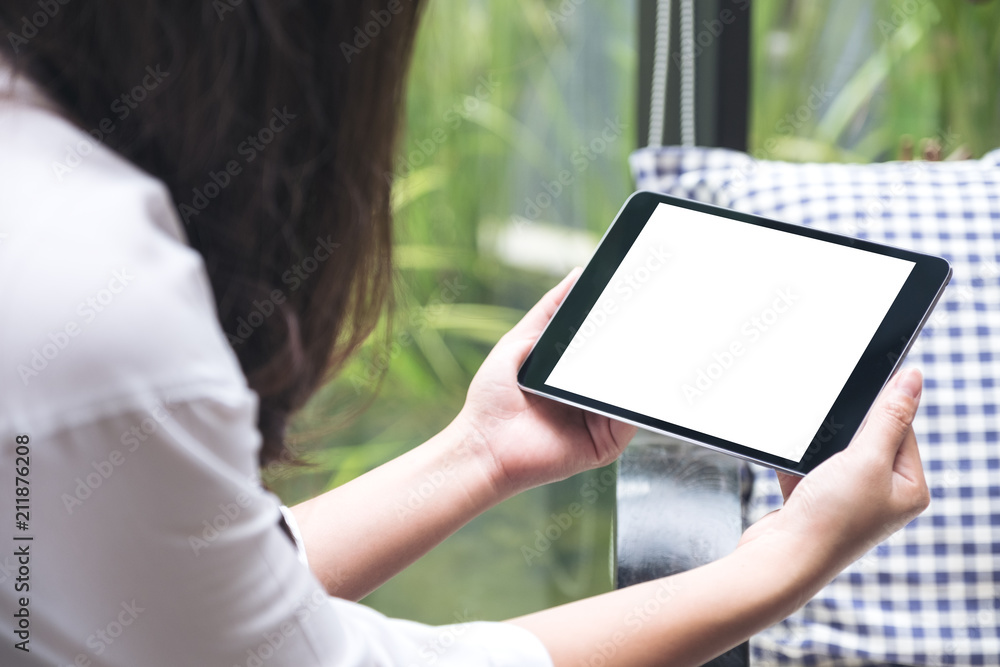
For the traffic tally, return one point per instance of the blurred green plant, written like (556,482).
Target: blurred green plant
(890,69)
(501,95)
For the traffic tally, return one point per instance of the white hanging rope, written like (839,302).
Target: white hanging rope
(687,73)
(661,65)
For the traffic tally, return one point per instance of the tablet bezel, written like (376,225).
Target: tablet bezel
(883,356)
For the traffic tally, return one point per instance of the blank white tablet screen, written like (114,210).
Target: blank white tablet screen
(734,330)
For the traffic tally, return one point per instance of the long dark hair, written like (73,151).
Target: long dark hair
(273,124)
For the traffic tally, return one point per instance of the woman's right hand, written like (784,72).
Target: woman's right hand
(861,495)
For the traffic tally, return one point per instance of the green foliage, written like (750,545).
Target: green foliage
(893,68)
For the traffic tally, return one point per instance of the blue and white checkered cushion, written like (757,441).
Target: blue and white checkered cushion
(930,595)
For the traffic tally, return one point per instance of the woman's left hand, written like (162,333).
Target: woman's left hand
(529,440)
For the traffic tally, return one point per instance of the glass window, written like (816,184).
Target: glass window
(519,121)
(866,81)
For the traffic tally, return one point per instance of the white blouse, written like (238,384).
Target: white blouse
(145,537)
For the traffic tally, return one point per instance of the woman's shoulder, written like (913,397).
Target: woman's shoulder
(101,292)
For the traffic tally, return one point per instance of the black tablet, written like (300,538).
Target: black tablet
(758,338)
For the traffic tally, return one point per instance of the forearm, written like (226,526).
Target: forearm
(360,534)
(688,618)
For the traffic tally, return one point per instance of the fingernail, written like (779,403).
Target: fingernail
(911,383)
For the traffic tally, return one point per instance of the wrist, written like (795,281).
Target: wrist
(467,455)
(795,564)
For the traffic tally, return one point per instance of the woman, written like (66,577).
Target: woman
(196,233)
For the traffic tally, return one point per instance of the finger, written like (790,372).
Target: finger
(787,483)
(535,319)
(889,422)
(622,433)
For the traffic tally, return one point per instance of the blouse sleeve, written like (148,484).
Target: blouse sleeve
(155,544)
